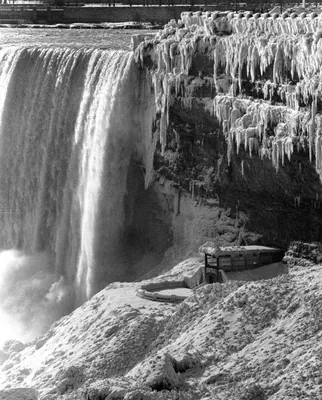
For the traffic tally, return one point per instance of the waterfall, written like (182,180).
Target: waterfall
(68,125)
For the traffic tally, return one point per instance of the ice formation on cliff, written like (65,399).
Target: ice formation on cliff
(280,55)
(247,122)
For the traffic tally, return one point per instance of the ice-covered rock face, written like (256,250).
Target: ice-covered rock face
(275,59)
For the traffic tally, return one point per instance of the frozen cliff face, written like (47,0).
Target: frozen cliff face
(238,111)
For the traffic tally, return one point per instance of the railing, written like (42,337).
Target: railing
(253,5)
(172,3)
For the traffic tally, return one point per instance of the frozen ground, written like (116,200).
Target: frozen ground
(255,340)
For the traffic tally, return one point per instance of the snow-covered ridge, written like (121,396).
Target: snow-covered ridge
(264,70)
(230,339)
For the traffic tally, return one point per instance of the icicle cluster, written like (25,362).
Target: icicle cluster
(270,131)
(172,52)
(280,55)
(214,22)
(274,58)
(276,24)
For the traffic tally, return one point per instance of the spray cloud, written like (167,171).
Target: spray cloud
(31,296)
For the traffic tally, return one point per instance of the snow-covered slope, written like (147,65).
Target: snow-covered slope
(227,341)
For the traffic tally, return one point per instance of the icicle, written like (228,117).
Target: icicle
(242,57)
(274,155)
(318,153)
(297,201)
(278,63)
(253,145)
(289,147)
(242,168)
(235,114)
(282,152)
(312,126)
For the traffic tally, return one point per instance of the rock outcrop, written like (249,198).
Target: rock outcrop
(238,114)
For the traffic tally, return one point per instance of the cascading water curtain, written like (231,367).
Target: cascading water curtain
(67,122)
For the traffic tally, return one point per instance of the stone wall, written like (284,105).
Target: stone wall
(17,13)
(159,15)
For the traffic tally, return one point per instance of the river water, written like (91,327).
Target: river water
(98,38)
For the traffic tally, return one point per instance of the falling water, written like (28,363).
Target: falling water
(68,123)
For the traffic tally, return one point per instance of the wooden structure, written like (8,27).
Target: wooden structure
(236,258)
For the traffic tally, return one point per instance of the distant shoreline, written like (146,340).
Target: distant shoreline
(98,13)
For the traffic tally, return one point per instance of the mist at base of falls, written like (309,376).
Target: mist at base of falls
(75,212)
(32,297)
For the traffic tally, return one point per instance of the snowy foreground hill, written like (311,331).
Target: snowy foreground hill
(243,341)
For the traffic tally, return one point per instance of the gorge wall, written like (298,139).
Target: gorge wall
(238,113)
